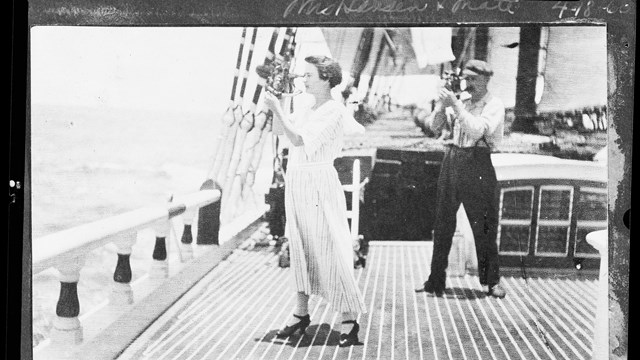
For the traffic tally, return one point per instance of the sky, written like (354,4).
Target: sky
(142,67)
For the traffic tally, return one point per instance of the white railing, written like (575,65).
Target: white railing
(67,250)
(77,241)
(355,189)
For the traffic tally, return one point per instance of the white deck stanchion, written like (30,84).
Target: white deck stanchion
(122,293)
(160,264)
(67,329)
(599,240)
(186,242)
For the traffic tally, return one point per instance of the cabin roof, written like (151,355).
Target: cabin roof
(511,166)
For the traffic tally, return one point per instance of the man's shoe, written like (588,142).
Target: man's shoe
(431,289)
(497,291)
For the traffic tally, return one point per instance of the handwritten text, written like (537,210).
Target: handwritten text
(319,7)
(508,6)
(591,8)
(336,8)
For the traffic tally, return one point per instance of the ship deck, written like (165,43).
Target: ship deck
(235,310)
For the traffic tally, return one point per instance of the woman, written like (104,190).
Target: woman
(317,227)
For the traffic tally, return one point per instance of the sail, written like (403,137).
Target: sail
(343,45)
(576,64)
(400,74)
(502,55)
(431,45)
(311,41)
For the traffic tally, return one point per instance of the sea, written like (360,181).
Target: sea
(89,163)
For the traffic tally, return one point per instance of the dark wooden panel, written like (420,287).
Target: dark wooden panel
(399,202)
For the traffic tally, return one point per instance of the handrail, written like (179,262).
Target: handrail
(79,240)
(67,251)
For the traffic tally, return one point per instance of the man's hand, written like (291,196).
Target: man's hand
(447,97)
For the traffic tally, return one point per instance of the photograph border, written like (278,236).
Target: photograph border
(619,17)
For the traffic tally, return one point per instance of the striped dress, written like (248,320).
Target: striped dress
(320,242)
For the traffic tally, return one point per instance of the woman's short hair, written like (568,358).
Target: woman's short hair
(328,69)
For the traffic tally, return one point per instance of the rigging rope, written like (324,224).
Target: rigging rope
(231,144)
(240,140)
(228,117)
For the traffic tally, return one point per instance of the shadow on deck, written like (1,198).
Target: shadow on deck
(236,309)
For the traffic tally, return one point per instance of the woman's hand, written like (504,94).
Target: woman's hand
(272,103)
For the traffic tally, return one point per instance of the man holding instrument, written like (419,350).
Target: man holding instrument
(467,176)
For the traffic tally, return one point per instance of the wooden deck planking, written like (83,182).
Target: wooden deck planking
(238,313)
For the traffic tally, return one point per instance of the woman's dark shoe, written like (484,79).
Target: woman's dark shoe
(352,337)
(291,329)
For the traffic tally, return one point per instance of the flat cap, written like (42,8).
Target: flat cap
(477,67)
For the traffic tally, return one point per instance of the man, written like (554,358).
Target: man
(467,176)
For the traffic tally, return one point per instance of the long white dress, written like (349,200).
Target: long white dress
(320,242)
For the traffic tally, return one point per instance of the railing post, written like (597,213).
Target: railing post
(462,246)
(598,239)
(355,200)
(122,292)
(160,265)
(67,329)
(457,255)
(209,218)
(186,242)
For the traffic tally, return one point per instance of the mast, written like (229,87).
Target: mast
(383,43)
(481,43)
(362,55)
(525,108)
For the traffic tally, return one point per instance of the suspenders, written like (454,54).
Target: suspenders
(459,144)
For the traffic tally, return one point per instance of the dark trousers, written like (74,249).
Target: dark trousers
(467,176)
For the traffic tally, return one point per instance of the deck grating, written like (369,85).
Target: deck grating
(244,301)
